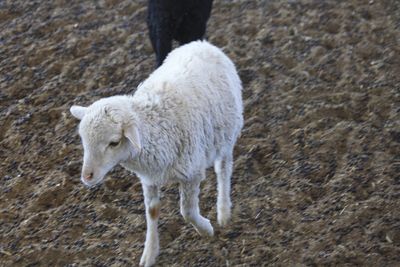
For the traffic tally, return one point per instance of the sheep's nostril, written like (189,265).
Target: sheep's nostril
(89,176)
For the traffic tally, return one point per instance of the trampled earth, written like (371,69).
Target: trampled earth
(317,168)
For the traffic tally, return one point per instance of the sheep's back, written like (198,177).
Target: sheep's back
(198,90)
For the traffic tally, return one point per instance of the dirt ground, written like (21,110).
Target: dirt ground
(316,179)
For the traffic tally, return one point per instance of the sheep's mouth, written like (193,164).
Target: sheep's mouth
(93,182)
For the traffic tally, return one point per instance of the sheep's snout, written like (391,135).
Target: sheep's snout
(88,177)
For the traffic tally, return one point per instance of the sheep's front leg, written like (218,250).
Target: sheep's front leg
(152,204)
(190,211)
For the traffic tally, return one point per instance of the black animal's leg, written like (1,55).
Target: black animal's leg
(161,41)
(163,46)
(160,24)
(194,23)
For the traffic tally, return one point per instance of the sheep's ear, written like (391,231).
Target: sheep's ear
(133,136)
(78,111)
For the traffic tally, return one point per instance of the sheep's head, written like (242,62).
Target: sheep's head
(109,136)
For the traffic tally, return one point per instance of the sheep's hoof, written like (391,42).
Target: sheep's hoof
(224,214)
(144,261)
(224,218)
(148,257)
(205,228)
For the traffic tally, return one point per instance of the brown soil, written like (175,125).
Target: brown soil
(316,178)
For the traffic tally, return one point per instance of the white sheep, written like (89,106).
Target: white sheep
(183,119)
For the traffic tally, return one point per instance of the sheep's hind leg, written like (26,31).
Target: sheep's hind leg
(189,193)
(223,169)
(151,246)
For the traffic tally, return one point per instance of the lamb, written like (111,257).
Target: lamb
(184,118)
(183,21)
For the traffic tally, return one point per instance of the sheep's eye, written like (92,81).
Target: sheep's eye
(114,144)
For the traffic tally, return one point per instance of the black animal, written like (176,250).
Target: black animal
(180,20)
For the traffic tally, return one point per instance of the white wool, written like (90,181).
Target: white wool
(183,119)
(191,109)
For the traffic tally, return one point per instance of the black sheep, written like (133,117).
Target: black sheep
(180,20)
